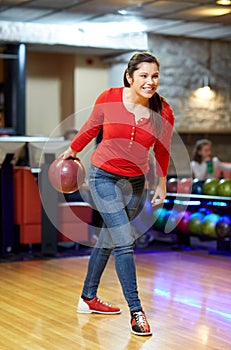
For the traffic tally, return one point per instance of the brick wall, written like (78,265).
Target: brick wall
(184,65)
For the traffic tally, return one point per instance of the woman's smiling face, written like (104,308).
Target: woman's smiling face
(145,79)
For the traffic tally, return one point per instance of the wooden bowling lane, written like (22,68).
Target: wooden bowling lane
(186,296)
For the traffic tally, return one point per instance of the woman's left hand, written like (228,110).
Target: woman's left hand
(68,153)
(160,192)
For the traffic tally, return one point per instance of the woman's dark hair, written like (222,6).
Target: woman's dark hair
(133,65)
(156,101)
(198,147)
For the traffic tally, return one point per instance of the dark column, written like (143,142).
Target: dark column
(7,233)
(15,88)
(49,210)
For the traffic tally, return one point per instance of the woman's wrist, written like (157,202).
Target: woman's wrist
(162,180)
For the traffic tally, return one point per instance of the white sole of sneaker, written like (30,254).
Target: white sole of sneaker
(83,311)
(97,312)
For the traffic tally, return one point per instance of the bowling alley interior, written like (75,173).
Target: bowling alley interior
(56,58)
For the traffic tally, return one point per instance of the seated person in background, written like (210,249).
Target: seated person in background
(204,165)
(70,134)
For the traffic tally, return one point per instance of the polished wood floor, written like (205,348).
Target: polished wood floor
(186,296)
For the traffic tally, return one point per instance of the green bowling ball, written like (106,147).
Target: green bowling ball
(224,188)
(208,225)
(159,218)
(210,187)
(170,220)
(195,222)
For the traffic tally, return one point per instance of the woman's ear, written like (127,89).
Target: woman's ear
(129,78)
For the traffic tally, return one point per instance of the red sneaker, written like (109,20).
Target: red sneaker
(97,306)
(139,323)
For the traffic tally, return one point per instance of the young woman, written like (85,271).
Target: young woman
(134,118)
(204,165)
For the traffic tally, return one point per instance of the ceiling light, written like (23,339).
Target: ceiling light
(214,11)
(122,12)
(112,28)
(224,2)
(205,92)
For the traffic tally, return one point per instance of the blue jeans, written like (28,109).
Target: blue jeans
(116,198)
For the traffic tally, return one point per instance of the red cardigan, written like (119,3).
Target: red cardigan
(124,149)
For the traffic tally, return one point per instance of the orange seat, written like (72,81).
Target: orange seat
(27,205)
(227,174)
(73,218)
(220,173)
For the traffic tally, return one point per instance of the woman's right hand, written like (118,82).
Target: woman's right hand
(68,153)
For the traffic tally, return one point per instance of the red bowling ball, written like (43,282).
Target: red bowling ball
(182,222)
(172,185)
(66,175)
(185,185)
